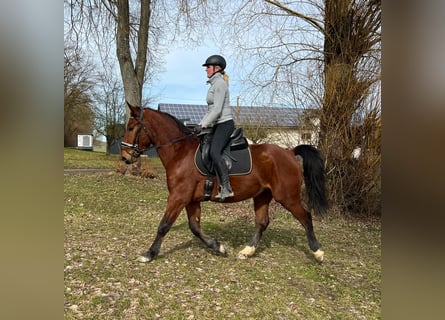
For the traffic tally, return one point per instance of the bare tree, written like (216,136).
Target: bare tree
(351,102)
(138,30)
(109,108)
(78,115)
(317,54)
(351,67)
(100,26)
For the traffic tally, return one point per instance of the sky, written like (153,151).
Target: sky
(184,78)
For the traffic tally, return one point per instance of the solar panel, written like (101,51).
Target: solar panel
(192,114)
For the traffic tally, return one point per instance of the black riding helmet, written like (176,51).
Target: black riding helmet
(215,60)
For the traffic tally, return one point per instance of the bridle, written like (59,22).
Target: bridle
(136,151)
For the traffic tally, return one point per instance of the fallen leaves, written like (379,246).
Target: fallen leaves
(110,220)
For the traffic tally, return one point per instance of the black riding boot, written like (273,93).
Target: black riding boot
(222,173)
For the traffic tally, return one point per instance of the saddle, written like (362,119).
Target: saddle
(236,154)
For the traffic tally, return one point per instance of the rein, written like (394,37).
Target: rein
(171,142)
(135,147)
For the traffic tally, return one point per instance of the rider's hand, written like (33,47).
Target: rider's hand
(197,130)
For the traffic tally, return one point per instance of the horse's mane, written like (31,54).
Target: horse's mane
(180,125)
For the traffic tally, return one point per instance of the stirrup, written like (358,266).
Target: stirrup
(224,193)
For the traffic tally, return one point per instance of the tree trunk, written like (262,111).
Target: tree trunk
(336,76)
(343,48)
(349,34)
(133,74)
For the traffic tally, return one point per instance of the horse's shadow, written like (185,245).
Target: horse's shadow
(237,233)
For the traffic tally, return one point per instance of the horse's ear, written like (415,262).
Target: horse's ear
(134,111)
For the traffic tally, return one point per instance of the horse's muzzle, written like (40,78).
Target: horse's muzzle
(126,160)
(128,157)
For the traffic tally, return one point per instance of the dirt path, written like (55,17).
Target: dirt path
(91,170)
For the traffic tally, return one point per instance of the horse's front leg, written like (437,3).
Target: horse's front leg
(261,205)
(174,207)
(194,217)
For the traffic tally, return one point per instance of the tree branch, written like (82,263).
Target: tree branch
(309,20)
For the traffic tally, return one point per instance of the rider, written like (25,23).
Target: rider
(218,120)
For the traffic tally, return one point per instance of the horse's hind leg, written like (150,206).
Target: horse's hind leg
(261,205)
(312,240)
(305,218)
(194,216)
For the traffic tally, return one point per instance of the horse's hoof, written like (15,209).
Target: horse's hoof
(222,250)
(248,251)
(241,256)
(143,259)
(319,255)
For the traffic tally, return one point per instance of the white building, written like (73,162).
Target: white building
(286,127)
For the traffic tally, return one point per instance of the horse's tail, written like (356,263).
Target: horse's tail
(314,177)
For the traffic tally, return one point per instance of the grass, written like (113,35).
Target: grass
(110,219)
(84,159)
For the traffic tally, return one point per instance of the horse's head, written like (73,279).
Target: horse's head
(136,137)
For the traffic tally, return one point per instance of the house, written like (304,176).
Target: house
(287,127)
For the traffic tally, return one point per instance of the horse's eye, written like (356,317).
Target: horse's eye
(131,125)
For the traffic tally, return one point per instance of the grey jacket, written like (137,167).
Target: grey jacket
(218,101)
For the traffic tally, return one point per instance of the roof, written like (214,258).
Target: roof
(192,114)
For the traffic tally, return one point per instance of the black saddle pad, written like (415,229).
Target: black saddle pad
(241,162)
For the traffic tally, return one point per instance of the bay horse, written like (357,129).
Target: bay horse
(294,178)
